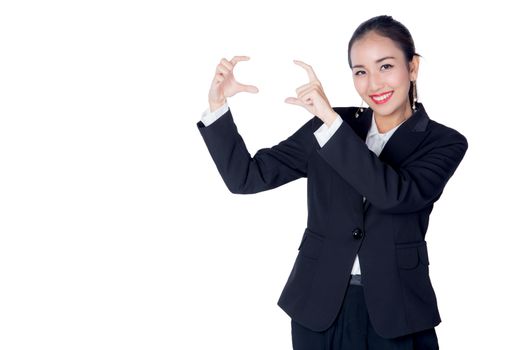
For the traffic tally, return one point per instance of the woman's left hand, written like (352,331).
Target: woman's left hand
(311,96)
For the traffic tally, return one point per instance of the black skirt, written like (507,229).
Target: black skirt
(352,330)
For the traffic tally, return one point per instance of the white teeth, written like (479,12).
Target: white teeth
(382,97)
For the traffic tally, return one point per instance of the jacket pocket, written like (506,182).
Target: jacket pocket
(410,255)
(413,271)
(311,244)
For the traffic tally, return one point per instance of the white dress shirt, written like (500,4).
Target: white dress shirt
(374,140)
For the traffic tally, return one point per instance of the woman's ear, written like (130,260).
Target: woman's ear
(414,66)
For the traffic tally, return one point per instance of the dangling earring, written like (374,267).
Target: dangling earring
(360,109)
(414,96)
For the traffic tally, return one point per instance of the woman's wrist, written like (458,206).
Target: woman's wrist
(214,105)
(330,118)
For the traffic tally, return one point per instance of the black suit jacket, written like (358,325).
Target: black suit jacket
(388,230)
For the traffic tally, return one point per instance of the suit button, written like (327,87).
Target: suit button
(357,234)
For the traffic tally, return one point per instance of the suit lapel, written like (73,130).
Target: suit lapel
(403,141)
(362,123)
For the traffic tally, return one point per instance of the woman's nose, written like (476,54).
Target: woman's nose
(376,83)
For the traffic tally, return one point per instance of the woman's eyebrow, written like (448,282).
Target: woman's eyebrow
(377,61)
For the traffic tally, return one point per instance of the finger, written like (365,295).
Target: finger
(295,101)
(307,99)
(307,86)
(302,87)
(218,79)
(236,59)
(222,69)
(307,93)
(249,88)
(226,63)
(308,68)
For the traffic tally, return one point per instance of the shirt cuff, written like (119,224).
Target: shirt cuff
(324,132)
(209,117)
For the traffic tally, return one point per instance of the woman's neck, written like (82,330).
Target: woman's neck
(385,123)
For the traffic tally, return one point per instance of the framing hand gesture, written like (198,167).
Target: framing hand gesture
(224,84)
(312,97)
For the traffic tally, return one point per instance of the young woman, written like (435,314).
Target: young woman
(361,276)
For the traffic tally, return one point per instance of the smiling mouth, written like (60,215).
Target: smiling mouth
(383,98)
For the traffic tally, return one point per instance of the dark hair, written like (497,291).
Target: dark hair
(388,27)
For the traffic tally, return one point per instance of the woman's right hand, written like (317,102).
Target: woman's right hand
(224,84)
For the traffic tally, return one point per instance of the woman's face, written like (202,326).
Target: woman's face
(378,67)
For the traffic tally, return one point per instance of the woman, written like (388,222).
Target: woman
(361,276)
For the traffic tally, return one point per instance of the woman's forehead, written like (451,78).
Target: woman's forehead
(372,49)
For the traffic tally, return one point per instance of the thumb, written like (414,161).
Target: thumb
(294,101)
(248,88)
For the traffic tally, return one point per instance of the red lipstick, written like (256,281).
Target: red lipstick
(382,100)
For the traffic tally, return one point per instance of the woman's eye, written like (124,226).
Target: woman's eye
(384,65)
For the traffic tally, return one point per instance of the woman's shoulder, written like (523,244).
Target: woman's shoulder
(345,111)
(441,136)
(441,130)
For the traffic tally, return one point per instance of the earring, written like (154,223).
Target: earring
(414,96)
(360,109)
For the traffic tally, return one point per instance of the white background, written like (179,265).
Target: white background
(116,229)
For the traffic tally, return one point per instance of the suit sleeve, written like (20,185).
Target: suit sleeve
(208,117)
(325,132)
(268,168)
(409,188)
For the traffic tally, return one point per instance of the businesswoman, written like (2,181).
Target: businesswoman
(361,276)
